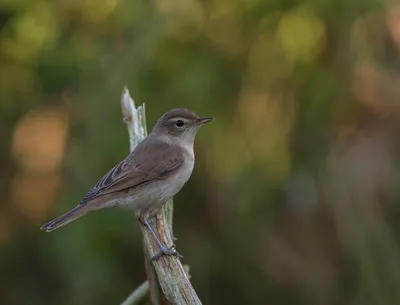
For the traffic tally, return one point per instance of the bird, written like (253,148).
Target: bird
(155,171)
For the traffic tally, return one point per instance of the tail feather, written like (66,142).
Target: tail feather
(65,219)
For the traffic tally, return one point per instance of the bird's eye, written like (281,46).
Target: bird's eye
(179,123)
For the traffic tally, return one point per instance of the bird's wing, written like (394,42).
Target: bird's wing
(145,164)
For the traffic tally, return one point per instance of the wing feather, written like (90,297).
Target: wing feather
(151,161)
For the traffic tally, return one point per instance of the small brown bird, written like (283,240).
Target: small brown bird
(149,176)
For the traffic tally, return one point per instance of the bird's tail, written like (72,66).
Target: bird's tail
(66,218)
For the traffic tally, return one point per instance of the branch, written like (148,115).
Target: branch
(138,296)
(173,285)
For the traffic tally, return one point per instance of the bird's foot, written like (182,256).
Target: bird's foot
(167,251)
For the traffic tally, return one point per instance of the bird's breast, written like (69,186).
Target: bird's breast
(160,191)
(183,173)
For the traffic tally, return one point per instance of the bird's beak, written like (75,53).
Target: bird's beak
(201,121)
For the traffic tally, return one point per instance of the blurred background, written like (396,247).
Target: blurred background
(295,195)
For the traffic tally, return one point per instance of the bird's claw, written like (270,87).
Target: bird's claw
(167,251)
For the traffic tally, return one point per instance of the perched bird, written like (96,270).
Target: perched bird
(149,176)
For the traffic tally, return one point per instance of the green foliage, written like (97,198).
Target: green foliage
(293,198)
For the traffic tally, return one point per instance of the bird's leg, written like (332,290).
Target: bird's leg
(163,250)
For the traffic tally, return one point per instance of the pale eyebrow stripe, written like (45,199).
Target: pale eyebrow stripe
(177,119)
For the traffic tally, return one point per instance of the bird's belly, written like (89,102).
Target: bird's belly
(153,195)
